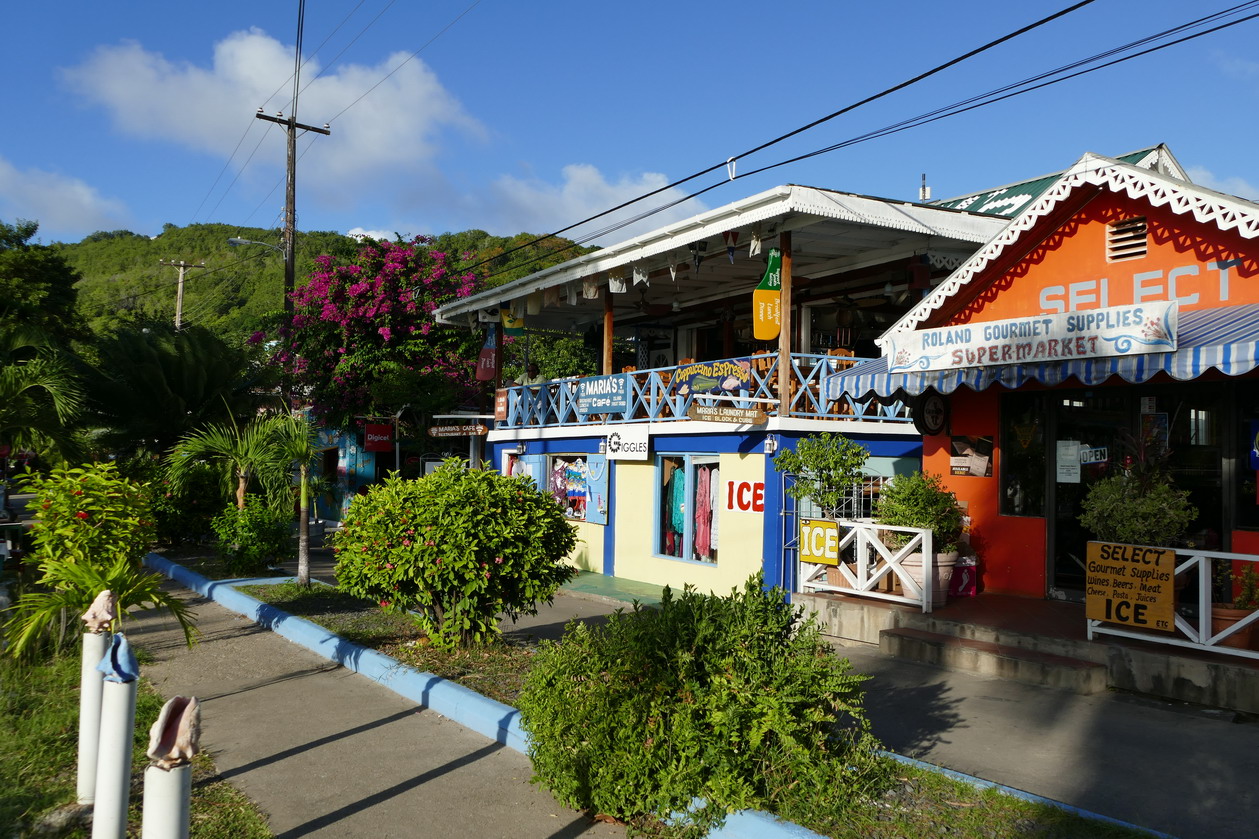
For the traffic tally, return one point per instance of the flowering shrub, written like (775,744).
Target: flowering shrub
(356,327)
(458,548)
(89,514)
(92,527)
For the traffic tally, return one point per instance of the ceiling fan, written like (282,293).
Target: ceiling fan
(655,310)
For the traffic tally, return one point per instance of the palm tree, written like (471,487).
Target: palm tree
(152,385)
(38,392)
(295,439)
(246,453)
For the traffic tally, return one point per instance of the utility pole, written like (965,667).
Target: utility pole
(179,294)
(291,125)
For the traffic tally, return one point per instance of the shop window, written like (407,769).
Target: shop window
(577,482)
(1127,239)
(1023,455)
(686,515)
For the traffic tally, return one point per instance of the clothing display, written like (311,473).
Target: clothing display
(688,497)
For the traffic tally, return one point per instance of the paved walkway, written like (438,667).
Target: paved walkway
(329,753)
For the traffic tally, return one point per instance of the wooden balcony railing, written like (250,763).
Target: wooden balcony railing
(655,396)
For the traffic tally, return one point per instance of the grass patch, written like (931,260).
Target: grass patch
(39,718)
(917,803)
(495,670)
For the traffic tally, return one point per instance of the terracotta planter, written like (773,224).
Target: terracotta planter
(941,573)
(1223,617)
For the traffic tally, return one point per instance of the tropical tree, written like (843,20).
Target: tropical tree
(150,386)
(37,285)
(363,339)
(246,454)
(39,395)
(295,442)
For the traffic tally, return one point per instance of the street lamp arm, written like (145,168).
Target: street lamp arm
(235,240)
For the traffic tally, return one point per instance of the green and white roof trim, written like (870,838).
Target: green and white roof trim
(1009,201)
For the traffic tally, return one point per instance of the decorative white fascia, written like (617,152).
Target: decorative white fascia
(1181,197)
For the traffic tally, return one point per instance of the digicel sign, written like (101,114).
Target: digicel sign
(378,437)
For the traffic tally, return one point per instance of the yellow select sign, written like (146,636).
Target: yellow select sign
(766,305)
(1132,585)
(819,541)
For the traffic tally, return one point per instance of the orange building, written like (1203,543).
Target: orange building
(1120,305)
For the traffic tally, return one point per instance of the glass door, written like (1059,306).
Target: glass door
(1090,426)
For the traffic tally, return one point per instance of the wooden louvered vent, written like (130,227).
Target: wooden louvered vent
(1126,239)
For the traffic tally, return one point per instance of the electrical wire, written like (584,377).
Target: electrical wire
(885,92)
(1000,94)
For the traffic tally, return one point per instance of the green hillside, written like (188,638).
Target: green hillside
(239,290)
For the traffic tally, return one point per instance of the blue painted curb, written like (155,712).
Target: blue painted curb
(493,719)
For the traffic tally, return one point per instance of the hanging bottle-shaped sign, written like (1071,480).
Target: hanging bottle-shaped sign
(766,309)
(487,361)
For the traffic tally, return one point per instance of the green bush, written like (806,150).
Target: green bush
(920,500)
(732,700)
(92,528)
(253,537)
(459,548)
(88,514)
(181,513)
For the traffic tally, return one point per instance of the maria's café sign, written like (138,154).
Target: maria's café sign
(1064,336)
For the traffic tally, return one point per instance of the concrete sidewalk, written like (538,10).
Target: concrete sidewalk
(330,753)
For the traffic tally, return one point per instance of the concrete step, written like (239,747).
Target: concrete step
(996,660)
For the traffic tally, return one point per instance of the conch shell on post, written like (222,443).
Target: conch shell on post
(176,735)
(101,615)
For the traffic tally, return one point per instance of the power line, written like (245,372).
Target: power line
(886,92)
(972,103)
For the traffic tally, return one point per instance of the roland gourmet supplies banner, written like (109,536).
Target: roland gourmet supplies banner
(1092,333)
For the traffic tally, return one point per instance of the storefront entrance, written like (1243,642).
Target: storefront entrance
(1075,438)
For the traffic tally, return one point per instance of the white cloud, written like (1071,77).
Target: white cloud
(359,233)
(539,207)
(59,203)
(1230,185)
(397,127)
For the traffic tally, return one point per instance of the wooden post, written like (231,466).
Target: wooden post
(607,331)
(784,336)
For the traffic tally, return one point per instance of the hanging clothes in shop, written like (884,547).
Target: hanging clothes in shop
(714,489)
(703,512)
(559,483)
(576,476)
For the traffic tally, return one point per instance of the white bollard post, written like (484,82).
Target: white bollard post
(91,681)
(167,799)
(174,739)
(98,621)
(118,719)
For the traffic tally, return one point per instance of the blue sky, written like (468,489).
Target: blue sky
(531,116)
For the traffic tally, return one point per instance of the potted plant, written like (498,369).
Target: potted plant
(1137,510)
(828,469)
(1237,596)
(921,500)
